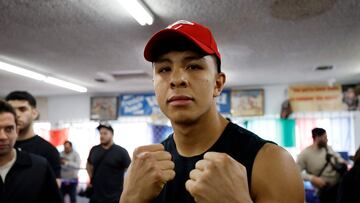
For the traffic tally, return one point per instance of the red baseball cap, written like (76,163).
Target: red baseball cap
(198,34)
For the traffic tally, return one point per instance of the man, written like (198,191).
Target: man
(349,188)
(107,163)
(70,165)
(24,177)
(207,158)
(25,106)
(316,162)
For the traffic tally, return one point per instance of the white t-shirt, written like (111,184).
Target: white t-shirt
(6,168)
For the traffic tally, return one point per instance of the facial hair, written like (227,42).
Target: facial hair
(24,130)
(322,144)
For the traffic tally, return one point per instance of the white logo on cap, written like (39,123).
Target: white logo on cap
(178,24)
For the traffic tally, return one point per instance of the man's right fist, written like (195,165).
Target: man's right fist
(150,169)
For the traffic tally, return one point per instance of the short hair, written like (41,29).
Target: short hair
(181,44)
(318,132)
(7,108)
(68,142)
(22,95)
(107,126)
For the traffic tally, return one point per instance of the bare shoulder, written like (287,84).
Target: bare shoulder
(275,176)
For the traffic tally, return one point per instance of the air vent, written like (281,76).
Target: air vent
(324,68)
(130,75)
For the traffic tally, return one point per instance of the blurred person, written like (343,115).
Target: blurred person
(317,164)
(70,165)
(25,177)
(106,166)
(207,158)
(349,188)
(25,106)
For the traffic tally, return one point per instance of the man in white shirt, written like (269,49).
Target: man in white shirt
(70,164)
(24,177)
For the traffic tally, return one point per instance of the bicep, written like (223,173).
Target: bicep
(276,177)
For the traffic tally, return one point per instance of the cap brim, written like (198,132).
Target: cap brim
(158,39)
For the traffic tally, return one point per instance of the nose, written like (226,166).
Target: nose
(179,79)
(2,134)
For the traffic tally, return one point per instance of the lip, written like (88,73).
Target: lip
(180,100)
(2,146)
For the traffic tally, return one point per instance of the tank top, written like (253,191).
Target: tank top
(241,144)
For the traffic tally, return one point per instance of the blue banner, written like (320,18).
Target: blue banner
(223,102)
(146,104)
(138,104)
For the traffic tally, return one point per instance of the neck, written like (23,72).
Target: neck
(107,145)
(197,137)
(7,157)
(26,133)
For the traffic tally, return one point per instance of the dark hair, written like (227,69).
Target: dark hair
(68,142)
(7,108)
(107,126)
(180,43)
(317,132)
(21,95)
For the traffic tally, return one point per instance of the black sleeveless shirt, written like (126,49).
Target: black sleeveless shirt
(239,143)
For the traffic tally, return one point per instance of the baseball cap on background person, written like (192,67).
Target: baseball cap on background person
(107,126)
(182,34)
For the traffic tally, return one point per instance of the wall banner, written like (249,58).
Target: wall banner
(315,98)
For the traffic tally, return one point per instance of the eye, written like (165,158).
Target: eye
(164,69)
(9,129)
(193,67)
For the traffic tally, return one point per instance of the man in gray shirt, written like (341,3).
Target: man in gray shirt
(316,163)
(70,164)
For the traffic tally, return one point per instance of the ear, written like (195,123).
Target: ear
(34,114)
(219,83)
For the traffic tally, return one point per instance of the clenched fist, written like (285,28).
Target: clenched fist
(150,169)
(218,178)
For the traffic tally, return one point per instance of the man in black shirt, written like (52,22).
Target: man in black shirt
(207,158)
(106,165)
(24,177)
(25,106)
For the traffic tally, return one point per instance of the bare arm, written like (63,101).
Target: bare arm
(89,169)
(275,177)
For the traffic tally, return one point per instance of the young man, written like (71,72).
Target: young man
(316,162)
(107,163)
(207,158)
(25,106)
(70,165)
(24,177)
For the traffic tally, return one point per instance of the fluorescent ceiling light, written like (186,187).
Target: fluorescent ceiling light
(37,76)
(138,10)
(62,83)
(21,71)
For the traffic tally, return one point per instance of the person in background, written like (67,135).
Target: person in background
(349,189)
(25,106)
(106,166)
(316,164)
(207,158)
(24,177)
(70,165)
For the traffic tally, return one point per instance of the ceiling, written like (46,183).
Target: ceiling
(263,42)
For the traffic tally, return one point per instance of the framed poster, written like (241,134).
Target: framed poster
(103,108)
(247,102)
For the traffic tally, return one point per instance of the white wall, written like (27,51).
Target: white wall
(68,108)
(357,130)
